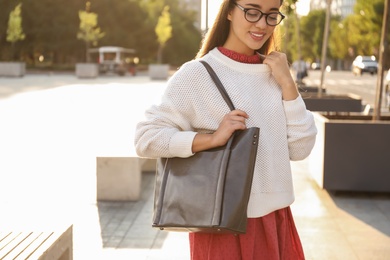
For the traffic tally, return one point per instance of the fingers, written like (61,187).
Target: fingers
(278,63)
(280,69)
(238,113)
(274,58)
(235,120)
(237,117)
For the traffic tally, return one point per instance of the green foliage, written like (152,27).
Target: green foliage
(89,32)
(185,41)
(186,38)
(152,9)
(364,27)
(359,33)
(51,28)
(312,32)
(311,35)
(290,38)
(338,40)
(15,30)
(125,24)
(289,6)
(163,28)
(300,37)
(163,31)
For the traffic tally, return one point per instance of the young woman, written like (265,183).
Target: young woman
(193,117)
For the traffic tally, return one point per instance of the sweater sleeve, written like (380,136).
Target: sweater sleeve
(167,130)
(301,129)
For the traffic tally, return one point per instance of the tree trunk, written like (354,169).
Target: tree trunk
(87,58)
(381,63)
(325,46)
(159,54)
(13,53)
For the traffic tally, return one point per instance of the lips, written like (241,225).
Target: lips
(257,36)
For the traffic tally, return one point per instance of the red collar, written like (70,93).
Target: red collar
(253,59)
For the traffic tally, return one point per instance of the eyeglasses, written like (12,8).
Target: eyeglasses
(253,15)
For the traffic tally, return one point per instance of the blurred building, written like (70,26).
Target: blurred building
(194,5)
(344,7)
(339,7)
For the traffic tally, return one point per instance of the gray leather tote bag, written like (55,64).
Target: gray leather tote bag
(209,191)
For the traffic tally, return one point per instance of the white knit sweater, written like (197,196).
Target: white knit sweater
(192,104)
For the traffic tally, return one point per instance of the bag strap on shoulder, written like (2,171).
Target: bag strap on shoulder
(219,84)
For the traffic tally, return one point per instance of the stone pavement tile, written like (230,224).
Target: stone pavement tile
(322,239)
(160,239)
(340,225)
(143,231)
(123,221)
(383,203)
(136,242)
(332,252)
(127,232)
(175,246)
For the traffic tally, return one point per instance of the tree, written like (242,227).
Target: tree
(291,30)
(338,41)
(163,31)
(89,32)
(364,27)
(50,27)
(383,53)
(185,40)
(15,30)
(186,37)
(312,33)
(133,31)
(324,51)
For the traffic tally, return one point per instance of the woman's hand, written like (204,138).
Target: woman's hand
(235,120)
(278,63)
(231,122)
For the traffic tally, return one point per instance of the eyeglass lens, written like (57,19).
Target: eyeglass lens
(254,15)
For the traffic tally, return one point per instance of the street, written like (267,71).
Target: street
(344,82)
(335,82)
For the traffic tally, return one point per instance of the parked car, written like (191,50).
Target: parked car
(114,59)
(363,64)
(387,89)
(315,66)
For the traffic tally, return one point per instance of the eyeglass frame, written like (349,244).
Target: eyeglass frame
(245,10)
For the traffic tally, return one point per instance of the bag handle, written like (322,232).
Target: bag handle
(219,84)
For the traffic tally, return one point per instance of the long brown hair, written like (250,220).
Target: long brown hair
(219,32)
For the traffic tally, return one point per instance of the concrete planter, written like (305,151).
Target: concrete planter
(87,70)
(333,103)
(351,153)
(12,69)
(159,71)
(309,89)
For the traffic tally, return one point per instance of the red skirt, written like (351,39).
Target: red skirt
(272,237)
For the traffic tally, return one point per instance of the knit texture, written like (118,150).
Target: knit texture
(253,59)
(192,104)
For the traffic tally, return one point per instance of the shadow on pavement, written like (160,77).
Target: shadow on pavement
(128,225)
(371,208)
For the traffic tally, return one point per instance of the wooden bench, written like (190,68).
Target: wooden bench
(42,245)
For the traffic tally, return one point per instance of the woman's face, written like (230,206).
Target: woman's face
(246,37)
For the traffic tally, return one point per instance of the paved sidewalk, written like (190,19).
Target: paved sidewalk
(49,140)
